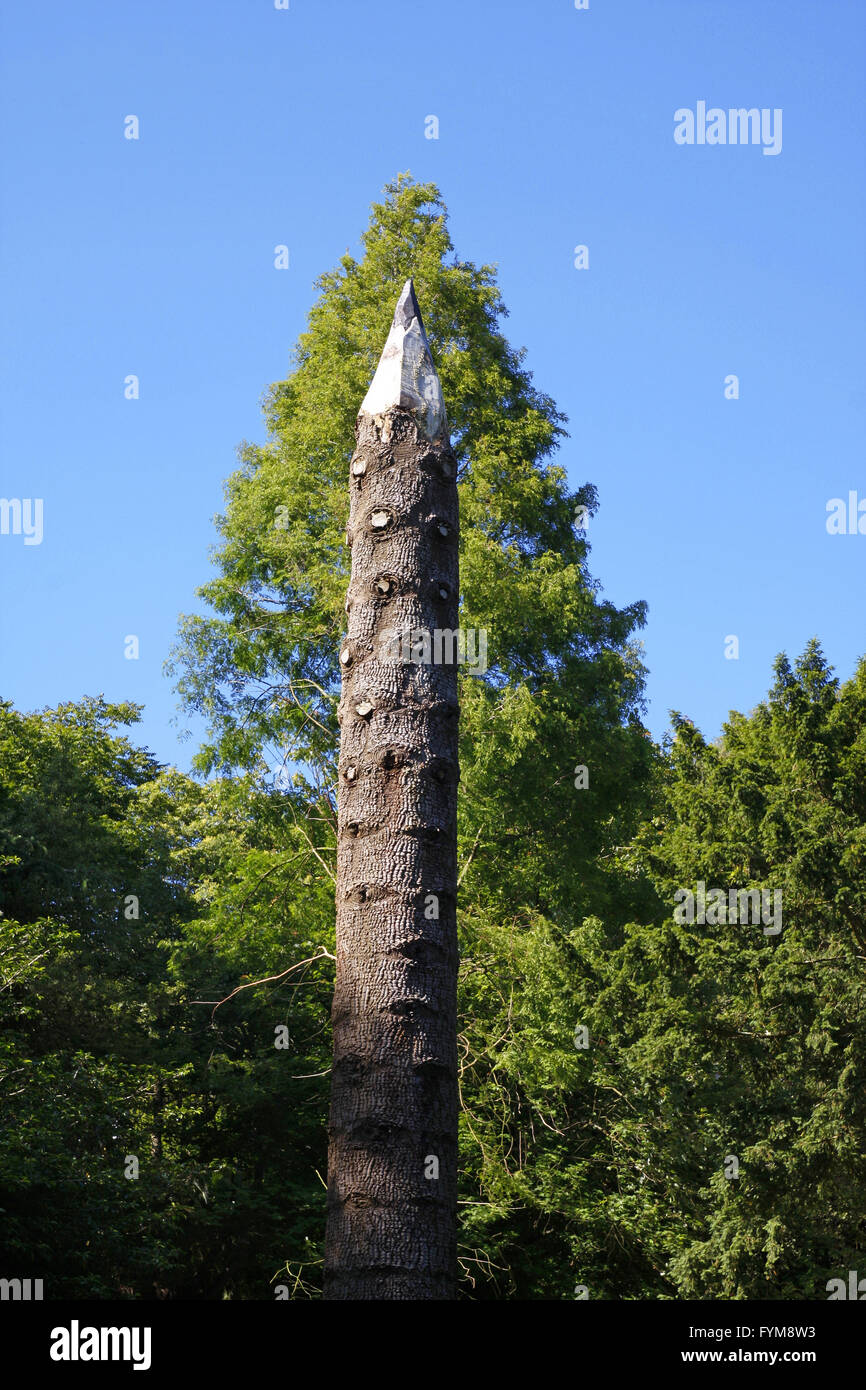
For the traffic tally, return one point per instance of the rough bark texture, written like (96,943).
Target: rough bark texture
(391,1225)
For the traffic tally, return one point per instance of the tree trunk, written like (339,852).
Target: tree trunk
(392,1162)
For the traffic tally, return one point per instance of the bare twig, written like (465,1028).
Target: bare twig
(266,980)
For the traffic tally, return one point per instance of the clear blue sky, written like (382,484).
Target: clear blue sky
(261,126)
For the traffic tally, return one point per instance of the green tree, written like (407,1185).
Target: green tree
(538,849)
(87,1069)
(729,1041)
(127,894)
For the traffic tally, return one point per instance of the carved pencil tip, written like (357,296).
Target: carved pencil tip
(406,376)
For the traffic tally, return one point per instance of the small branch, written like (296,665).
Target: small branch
(471,857)
(266,980)
(331,875)
(23,968)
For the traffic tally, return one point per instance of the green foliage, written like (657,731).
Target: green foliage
(154,1034)
(564,685)
(723,1039)
(104,1053)
(263,667)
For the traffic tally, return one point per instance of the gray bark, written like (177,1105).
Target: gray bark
(391,1231)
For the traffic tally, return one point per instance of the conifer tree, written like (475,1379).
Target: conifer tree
(538,846)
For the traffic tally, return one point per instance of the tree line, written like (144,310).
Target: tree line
(651,1107)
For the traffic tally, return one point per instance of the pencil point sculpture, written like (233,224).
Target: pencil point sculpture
(392,1157)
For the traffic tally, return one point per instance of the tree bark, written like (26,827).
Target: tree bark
(392,1162)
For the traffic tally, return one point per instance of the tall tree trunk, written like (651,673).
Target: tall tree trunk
(392,1162)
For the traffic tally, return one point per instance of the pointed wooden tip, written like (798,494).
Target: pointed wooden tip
(406,376)
(407,308)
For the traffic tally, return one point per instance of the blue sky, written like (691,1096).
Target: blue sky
(556,128)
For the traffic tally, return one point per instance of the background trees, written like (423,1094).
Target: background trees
(104,1055)
(755,1043)
(564,683)
(601,1166)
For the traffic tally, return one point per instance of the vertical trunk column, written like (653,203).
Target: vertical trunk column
(393,1123)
